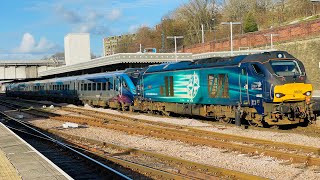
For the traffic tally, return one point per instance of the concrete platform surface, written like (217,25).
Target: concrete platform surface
(19,160)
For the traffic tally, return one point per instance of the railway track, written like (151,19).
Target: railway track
(148,163)
(75,163)
(285,151)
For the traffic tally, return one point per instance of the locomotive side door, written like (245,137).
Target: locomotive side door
(243,86)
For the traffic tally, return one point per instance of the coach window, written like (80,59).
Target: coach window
(94,86)
(124,84)
(104,86)
(89,86)
(85,87)
(257,70)
(68,87)
(81,87)
(98,86)
(109,85)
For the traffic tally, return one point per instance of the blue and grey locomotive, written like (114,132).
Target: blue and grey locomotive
(267,88)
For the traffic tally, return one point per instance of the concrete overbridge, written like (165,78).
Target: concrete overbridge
(25,69)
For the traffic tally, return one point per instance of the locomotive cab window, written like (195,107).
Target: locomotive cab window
(285,68)
(218,86)
(257,70)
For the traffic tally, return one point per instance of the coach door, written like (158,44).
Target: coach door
(243,86)
(117,84)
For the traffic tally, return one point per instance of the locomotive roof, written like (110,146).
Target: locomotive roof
(219,61)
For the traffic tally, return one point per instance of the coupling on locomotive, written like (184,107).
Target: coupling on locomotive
(263,89)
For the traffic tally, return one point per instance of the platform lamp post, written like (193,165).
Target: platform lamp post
(231,43)
(271,39)
(175,44)
(214,36)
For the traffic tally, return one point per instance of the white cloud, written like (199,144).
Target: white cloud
(29,45)
(91,27)
(114,14)
(44,45)
(68,15)
(133,28)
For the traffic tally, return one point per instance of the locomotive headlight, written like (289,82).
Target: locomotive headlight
(308,93)
(279,95)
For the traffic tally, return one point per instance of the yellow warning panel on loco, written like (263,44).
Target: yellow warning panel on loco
(292,92)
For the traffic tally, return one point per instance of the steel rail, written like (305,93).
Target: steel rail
(65,146)
(221,172)
(190,139)
(161,133)
(184,173)
(197,132)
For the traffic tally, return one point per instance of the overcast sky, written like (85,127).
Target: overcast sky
(31,29)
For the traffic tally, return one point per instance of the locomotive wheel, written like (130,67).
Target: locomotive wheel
(166,113)
(225,120)
(252,123)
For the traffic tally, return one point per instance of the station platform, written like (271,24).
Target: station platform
(19,160)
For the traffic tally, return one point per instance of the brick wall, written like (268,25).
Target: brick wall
(258,39)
